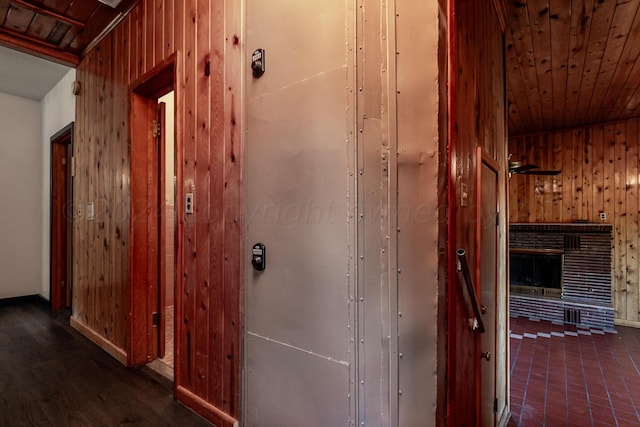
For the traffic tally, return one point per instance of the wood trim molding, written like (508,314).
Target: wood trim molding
(34,47)
(629,323)
(119,354)
(205,409)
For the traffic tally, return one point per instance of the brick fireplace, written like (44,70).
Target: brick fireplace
(561,272)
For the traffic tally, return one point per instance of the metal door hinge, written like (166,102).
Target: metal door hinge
(495,405)
(155,318)
(497,219)
(155,128)
(73,166)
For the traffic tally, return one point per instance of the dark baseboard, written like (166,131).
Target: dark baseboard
(27,299)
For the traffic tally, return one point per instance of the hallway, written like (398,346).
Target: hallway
(50,375)
(567,376)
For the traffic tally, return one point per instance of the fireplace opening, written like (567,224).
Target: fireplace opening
(536,272)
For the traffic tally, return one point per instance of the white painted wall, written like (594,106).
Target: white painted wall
(20,196)
(58,109)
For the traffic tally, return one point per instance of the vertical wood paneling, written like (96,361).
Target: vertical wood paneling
(92,175)
(159,30)
(567,179)
(586,210)
(169,27)
(631,219)
(210,244)
(203,203)
(121,209)
(556,186)
(538,183)
(619,220)
(599,174)
(478,115)
(232,51)
(188,178)
(576,171)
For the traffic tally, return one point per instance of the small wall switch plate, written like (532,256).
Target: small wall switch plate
(90,212)
(603,216)
(188,203)
(464,194)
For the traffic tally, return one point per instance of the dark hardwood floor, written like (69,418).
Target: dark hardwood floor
(50,375)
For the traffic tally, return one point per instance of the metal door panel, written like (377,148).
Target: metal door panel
(298,183)
(296,205)
(295,388)
(301,40)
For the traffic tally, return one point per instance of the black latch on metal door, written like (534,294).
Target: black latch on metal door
(258,258)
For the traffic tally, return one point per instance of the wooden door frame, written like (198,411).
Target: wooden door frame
(143,93)
(451,369)
(63,136)
(484,158)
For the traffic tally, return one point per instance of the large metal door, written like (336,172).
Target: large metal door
(298,182)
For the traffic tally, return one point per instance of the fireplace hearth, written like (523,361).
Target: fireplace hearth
(555,269)
(536,272)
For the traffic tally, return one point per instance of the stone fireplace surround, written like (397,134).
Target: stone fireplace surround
(586,283)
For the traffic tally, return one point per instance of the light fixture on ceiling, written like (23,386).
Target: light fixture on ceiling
(112,3)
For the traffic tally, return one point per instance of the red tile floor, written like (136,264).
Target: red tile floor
(567,376)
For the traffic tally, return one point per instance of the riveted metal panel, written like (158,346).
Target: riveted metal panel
(377,336)
(295,387)
(417,213)
(300,203)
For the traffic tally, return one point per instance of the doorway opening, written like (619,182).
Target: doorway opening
(164,364)
(154,227)
(61,218)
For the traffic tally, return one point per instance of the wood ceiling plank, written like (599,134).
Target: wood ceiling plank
(560,26)
(516,79)
(541,41)
(4,8)
(622,81)
(632,107)
(19,19)
(623,19)
(82,10)
(41,27)
(627,100)
(515,125)
(43,10)
(601,22)
(579,37)
(57,33)
(101,18)
(523,47)
(59,5)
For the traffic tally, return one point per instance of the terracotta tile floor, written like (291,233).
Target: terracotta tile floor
(567,376)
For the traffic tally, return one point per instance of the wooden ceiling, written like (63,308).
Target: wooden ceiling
(571,63)
(56,29)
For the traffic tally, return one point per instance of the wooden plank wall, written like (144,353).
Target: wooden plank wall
(599,174)
(479,121)
(212,156)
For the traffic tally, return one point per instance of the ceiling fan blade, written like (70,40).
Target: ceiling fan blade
(522,168)
(538,172)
